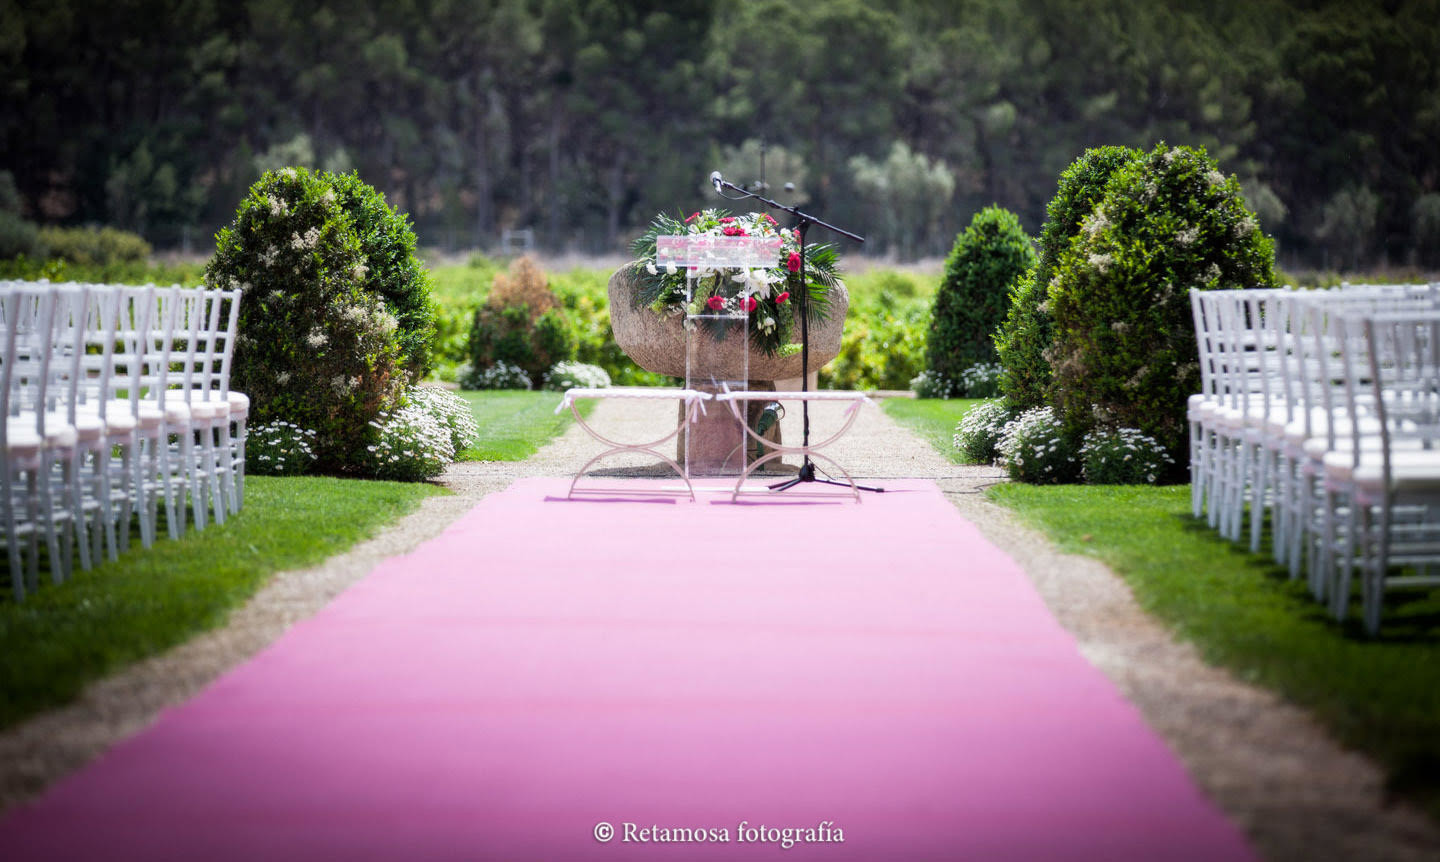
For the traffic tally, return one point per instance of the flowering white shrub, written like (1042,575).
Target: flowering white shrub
(576,375)
(981,380)
(450,410)
(978,432)
(278,449)
(501,375)
(1125,457)
(412,446)
(932,384)
(1033,448)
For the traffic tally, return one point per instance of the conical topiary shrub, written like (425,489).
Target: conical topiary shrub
(988,257)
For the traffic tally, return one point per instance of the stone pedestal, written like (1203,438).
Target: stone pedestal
(658,343)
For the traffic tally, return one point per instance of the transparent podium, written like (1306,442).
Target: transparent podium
(717,360)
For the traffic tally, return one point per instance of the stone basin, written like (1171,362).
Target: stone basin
(657,342)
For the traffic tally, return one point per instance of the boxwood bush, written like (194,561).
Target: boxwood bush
(1124,350)
(1028,330)
(318,345)
(988,257)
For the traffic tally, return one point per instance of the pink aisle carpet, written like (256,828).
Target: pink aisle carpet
(686,680)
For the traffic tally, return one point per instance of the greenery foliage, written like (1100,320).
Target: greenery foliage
(521,323)
(1028,329)
(882,345)
(392,271)
(974,294)
(92,246)
(1124,353)
(316,346)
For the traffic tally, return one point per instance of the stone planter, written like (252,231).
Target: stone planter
(658,343)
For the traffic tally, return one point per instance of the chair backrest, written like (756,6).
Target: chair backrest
(98,369)
(1392,362)
(29,322)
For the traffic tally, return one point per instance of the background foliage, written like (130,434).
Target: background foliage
(478,117)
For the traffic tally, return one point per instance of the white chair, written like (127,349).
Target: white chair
(36,435)
(1392,377)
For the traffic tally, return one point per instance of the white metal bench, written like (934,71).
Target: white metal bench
(694,404)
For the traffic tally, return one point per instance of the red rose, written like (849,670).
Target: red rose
(733,230)
(782,297)
(749,303)
(716,303)
(727,219)
(793,264)
(692,217)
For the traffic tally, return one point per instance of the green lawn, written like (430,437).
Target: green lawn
(515,423)
(1381,695)
(62,637)
(933,419)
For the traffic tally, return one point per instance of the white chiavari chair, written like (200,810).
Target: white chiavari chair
(1392,474)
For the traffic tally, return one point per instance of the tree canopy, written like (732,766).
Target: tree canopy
(581,119)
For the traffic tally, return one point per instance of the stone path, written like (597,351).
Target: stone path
(1295,792)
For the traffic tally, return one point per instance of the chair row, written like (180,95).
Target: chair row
(1319,413)
(114,400)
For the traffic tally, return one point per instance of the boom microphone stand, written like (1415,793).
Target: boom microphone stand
(803,221)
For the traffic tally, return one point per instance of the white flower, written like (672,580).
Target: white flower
(651,268)
(1188,236)
(316,339)
(267,257)
(1101,262)
(287,173)
(1215,178)
(328,199)
(278,207)
(282,378)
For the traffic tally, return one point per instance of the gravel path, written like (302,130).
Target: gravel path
(1295,792)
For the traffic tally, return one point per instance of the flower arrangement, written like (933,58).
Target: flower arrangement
(766,296)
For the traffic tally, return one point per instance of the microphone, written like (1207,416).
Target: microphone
(715,180)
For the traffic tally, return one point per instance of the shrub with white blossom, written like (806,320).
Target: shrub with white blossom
(1034,448)
(981,380)
(336,318)
(501,375)
(576,375)
(279,449)
(933,384)
(978,433)
(412,445)
(1124,457)
(450,410)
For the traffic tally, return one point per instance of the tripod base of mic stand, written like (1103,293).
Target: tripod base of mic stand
(807,474)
